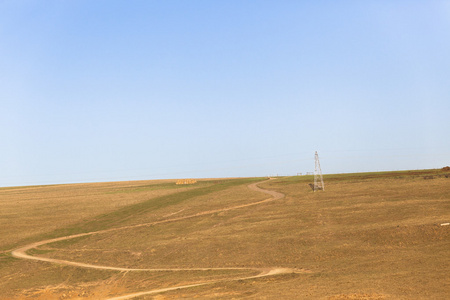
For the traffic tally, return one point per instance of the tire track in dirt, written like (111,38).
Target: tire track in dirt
(21,252)
(265,273)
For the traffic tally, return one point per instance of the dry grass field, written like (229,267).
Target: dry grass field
(367,236)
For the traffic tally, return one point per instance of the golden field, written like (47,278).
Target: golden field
(367,236)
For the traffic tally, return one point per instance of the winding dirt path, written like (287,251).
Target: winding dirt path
(21,252)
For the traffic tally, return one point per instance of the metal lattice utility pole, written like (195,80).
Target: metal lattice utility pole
(318,179)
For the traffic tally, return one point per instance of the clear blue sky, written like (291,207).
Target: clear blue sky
(124,90)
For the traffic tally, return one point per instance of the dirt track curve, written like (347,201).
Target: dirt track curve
(21,252)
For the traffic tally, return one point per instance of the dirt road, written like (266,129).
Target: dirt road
(21,252)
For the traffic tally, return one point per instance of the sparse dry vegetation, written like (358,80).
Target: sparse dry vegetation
(368,236)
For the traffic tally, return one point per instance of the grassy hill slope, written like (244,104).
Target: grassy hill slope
(367,236)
